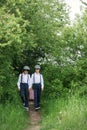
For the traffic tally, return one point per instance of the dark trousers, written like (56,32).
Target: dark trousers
(24,93)
(37,93)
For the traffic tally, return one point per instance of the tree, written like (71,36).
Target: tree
(84,2)
(28,33)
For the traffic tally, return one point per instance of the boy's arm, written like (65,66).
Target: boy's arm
(31,82)
(19,81)
(42,83)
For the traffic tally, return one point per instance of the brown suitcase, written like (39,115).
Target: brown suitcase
(31,94)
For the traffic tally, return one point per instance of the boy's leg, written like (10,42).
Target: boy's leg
(38,95)
(35,97)
(22,93)
(26,96)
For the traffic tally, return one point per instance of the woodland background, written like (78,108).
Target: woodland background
(40,32)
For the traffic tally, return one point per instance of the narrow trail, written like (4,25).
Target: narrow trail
(34,118)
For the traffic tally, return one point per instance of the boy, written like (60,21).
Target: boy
(38,85)
(23,86)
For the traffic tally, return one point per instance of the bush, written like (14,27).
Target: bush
(54,87)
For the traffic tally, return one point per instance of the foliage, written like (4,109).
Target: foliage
(39,32)
(28,31)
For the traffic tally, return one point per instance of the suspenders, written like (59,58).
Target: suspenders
(34,78)
(22,78)
(28,78)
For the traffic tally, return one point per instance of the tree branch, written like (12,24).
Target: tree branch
(83,2)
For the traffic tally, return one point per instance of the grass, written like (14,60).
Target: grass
(65,114)
(58,114)
(13,117)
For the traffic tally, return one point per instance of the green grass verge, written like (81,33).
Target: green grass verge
(13,117)
(64,114)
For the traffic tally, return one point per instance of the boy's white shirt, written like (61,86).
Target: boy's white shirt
(25,79)
(37,79)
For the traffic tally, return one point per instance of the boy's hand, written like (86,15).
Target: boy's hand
(18,89)
(42,89)
(30,88)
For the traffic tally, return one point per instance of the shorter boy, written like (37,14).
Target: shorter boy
(23,86)
(38,85)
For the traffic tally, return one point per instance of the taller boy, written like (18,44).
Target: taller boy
(23,86)
(38,85)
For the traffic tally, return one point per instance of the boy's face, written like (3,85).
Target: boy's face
(25,71)
(37,70)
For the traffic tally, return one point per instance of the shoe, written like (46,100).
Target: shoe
(37,108)
(23,104)
(26,108)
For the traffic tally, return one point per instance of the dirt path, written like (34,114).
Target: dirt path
(35,118)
